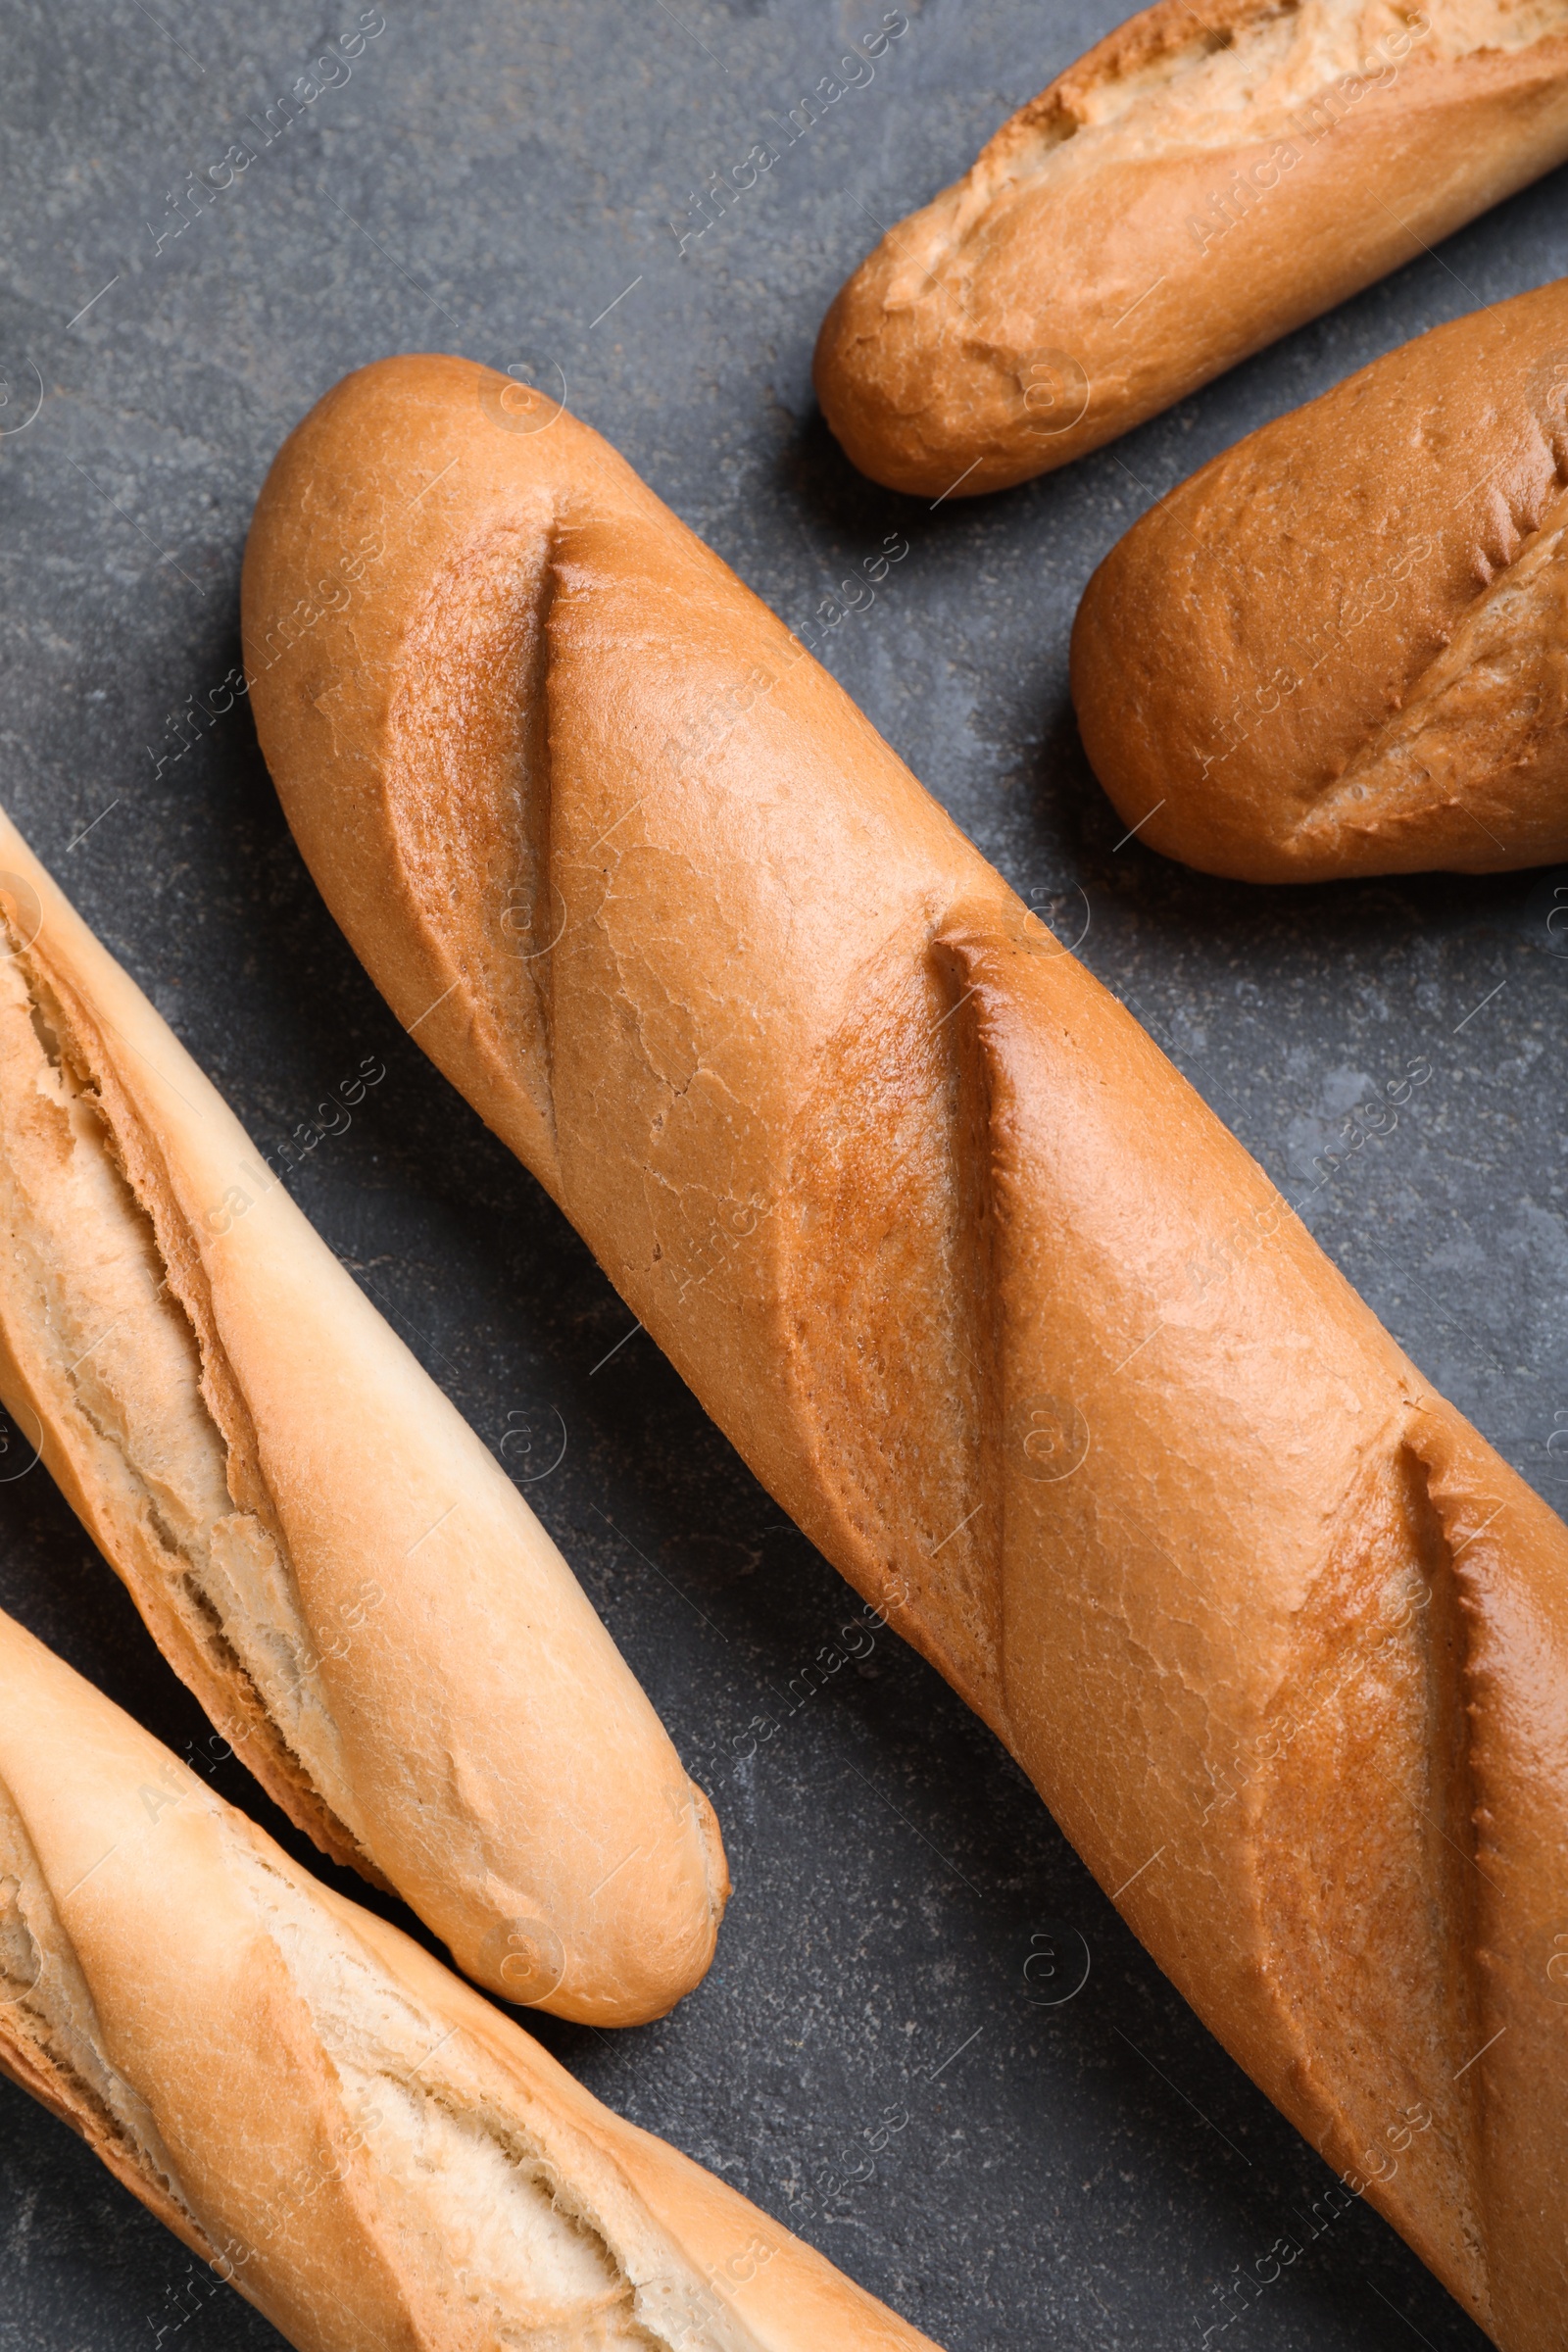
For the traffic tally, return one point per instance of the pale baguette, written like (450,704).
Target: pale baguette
(358,2142)
(1339,648)
(323,1549)
(1199,184)
(983,1293)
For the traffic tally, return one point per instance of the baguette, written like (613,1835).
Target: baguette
(346,2133)
(1199,184)
(990,1301)
(321,1547)
(1339,648)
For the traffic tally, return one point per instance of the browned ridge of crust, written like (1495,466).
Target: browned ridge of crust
(1342,647)
(987,1297)
(1198,184)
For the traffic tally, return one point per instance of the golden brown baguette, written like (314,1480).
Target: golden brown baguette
(1341,647)
(367,2150)
(986,1297)
(1202,182)
(323,1549)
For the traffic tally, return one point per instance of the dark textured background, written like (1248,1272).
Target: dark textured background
(490,179)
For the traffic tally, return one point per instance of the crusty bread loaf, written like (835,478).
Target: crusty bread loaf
(1202,182)
(323,1549)
(986,1297)
(366,2150)
(1341,647)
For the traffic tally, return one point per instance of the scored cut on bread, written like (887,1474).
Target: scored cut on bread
(367,2150)
(325,1551)
(986,1297)
(1199,184)
(1339,648)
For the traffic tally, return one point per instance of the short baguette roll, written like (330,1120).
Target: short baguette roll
(993,1305)
(1341,647)
(369,2151)
(323,1549)
(1199,184)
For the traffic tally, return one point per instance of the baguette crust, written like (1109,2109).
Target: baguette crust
(993,1305)
(1339,648)
(369,2151)
(323,1549)
(1194,186)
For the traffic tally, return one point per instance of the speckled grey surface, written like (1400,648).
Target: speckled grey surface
(868,2058)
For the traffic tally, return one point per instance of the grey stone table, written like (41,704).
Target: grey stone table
(500,179)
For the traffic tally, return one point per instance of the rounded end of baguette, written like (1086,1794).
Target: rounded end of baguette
(1326,655)
(623,1952)
(923,401)
(1201,808)
(1164,786)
